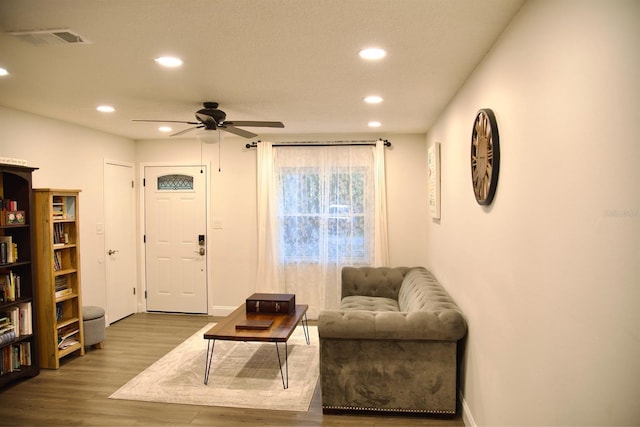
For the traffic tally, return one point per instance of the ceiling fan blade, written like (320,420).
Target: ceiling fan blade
(256,124)
(187,130)
(166,121)
(236,131)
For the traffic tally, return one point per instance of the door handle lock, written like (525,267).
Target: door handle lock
(111,251)
(200,251)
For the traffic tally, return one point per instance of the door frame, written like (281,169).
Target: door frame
(142,221)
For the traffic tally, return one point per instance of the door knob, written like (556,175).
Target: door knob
(200,251)
(111,251)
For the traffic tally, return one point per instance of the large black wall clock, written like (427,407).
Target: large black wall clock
(485,156)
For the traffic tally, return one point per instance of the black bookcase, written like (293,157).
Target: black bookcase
(18,344)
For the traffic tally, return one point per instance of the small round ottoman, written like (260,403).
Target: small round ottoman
(93,324)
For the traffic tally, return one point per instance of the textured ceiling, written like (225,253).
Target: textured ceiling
(293,61)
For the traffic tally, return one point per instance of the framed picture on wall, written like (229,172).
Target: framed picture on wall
(433,169)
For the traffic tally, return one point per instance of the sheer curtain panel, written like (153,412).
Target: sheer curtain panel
(319,209)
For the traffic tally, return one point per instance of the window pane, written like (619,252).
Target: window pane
(300,193)
(301,237)
(175,182)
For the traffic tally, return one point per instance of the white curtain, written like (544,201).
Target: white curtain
(319,209)
(269,278)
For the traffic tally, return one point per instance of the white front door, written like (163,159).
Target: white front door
(120,250)
(175,238)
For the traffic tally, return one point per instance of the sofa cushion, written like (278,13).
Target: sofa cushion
(447,325)
(368,303)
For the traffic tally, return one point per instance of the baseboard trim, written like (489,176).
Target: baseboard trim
(467,417)
(222,310)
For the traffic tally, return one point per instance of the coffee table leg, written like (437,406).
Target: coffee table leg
(207,361)
(286,364)
(305,328)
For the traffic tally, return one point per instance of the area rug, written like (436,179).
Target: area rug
(243,375)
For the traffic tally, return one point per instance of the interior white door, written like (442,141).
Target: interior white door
(175,238)
(120,257)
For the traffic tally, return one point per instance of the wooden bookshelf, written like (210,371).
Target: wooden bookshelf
(59,296)
(18,346)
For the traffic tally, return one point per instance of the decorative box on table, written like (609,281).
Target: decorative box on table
(271,303)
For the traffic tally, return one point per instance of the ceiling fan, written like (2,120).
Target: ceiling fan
(210,118)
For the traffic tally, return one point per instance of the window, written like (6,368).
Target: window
(175,182)
(323,215)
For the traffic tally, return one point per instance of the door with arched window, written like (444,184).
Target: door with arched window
(175,238)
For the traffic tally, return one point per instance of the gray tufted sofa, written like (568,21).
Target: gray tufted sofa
(392,345)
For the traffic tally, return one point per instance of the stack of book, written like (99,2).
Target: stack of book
(67,336)
(62,286)
(7,330)
(16,322)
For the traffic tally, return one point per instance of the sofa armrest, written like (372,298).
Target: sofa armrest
(445,325)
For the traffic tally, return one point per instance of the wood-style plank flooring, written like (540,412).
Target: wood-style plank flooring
(77,393)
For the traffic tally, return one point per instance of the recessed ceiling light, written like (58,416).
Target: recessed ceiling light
(165,129)
(169,61)
(372,53)
(373,99)
(3,72)
(105,109)
(374,124)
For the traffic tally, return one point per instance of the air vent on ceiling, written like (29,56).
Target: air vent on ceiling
(60,36)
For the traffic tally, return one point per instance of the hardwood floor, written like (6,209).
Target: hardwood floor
(77,393)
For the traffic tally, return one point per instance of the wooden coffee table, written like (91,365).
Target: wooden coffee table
(279,331)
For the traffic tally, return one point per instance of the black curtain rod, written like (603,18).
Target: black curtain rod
(323,143)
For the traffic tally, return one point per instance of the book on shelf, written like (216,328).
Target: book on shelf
(61,284)
(7,330)
(63,292)
(15,356)
(8,205)
(8,250)
(9,286)
(11,324)
(57,264)
(57,209)
(67,336)
(59,236)
(24,320)
(7,336)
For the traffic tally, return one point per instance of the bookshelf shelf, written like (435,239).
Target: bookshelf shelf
(59,289)
(18,329)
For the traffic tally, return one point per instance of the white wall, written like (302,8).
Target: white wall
(72,157)
(233,249)
(549,275)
